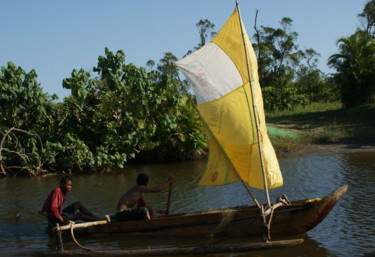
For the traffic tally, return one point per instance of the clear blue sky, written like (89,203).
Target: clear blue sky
(54,37)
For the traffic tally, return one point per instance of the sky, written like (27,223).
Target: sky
(54,37)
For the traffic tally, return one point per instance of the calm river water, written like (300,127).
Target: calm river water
(349,230)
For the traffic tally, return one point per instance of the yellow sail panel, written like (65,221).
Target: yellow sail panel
(219,169)
(219,73)
(231,123)
(230,40)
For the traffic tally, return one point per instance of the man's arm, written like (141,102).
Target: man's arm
(147,189)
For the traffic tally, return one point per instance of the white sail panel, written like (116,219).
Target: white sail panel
(211,73)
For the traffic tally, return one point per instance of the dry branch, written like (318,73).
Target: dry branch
(23,156)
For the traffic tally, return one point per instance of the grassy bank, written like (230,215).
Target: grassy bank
(323,123)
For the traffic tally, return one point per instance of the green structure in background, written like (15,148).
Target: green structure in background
(279,132)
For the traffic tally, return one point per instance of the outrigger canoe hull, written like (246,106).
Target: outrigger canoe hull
(298,218)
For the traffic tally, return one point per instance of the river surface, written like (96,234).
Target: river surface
(349,230)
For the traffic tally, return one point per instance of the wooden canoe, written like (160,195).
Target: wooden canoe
(298,218)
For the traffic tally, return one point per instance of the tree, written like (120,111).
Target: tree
(150,64)
(118,114)
(206,28)
(25,118)
(278,59)
(355,66)
(166,65)
(22,101)
(125,113)
(186,139)
(311,83)
(368,18)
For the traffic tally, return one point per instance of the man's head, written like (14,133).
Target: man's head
(66,184)
(142,180)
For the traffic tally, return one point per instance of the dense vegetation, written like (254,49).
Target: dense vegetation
(121,113)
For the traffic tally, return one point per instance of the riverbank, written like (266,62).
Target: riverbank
(325,125)
(329,149)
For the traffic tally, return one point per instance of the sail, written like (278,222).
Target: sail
(221,74)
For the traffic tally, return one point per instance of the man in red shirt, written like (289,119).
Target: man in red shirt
(55,200)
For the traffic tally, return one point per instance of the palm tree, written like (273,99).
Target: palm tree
(150,64)
(355,66)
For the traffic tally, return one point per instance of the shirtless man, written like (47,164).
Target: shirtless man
(132,205)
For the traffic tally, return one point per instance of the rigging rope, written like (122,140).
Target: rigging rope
(74,239)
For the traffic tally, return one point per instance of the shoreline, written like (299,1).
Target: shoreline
(330,148)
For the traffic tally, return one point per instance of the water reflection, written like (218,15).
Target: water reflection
(358,213)
(348,230)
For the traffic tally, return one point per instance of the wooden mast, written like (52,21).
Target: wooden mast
(254,110)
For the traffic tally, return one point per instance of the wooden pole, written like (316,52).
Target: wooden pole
(59,242)
(82,225)
(169,199)
(250,193)
(254,110)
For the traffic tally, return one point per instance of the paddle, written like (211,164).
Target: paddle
(169,199)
